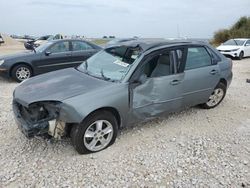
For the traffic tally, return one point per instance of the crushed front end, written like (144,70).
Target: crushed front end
(39,119)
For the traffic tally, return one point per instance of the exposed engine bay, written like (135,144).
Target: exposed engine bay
(40,118)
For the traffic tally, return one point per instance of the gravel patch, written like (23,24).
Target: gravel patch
(194,148)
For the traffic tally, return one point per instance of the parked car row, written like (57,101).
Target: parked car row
(34,43)
(51,56)
(123,84)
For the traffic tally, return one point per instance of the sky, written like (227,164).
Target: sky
(121,18)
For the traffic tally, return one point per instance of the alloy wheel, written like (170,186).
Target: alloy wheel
(98,135)
(23,73)
(216,97)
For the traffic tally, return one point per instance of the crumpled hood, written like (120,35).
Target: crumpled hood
(228,47)
(18,55)
(56,86)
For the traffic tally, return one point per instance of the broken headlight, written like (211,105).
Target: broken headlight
(40,111)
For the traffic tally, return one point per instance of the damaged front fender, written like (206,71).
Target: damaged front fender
(69,114)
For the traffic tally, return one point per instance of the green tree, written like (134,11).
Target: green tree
(241,29)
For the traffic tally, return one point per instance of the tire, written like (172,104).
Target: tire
(217,98)
(241,55)
(21,72)
(85,134)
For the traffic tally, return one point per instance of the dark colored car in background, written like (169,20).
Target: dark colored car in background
(54,55)
(29,45)
(34,43)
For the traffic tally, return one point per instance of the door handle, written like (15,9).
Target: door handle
(213,72)
(175,82)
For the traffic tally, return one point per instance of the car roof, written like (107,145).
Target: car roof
(241,39)
(57,40)
(146,44)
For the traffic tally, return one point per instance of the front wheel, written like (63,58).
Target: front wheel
(96,133)
(21,72)
(216,97)
(241,55)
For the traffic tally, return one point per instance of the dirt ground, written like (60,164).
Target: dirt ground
(194,148)
(5,50)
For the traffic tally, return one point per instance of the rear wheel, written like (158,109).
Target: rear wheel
(216,97)
(21,72)
(96,133)
(241,55)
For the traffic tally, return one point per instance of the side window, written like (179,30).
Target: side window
(60,47)
(80,46)
(197,57)
(248,43)
(159,65)
(214,56)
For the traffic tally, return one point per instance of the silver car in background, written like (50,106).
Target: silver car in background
(121,85)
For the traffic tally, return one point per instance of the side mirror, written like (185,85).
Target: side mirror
(47,53)
(141,79)
(247,44)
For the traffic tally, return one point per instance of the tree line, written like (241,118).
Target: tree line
(241,29)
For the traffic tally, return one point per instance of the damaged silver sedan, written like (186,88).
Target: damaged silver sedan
(121,85)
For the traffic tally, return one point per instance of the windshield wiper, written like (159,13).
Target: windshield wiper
(86,65)
(33,48)
(106,78)
(85,70)
(103,76)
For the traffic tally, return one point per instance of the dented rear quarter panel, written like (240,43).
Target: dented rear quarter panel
(225,66)
(226,70)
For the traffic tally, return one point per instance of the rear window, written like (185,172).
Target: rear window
(60,47)
(197,57)
(80,46)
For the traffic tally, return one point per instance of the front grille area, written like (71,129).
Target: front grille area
(33,120)
(224,50)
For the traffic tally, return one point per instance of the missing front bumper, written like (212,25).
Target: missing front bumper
(30,129)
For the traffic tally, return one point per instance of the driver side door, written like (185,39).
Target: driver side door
(57,56)
(158,90)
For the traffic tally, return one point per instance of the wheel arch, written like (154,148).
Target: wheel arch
(113,110)
(20,63)
(224,81)
(242,51)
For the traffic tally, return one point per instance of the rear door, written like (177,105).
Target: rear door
(201,76)
(159,89)
(81,51)
(57,56)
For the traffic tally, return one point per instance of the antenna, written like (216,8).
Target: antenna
(178,31)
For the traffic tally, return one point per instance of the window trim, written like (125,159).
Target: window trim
(215,58)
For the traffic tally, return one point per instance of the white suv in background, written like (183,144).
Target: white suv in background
(238,48)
